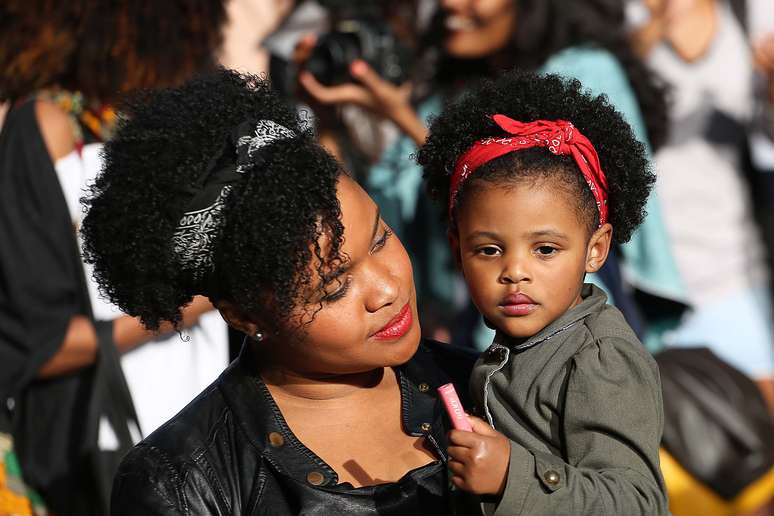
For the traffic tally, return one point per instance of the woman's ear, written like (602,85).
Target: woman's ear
(598,248)
(238,319)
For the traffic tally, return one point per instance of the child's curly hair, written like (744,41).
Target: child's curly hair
(272,219)
(526,97)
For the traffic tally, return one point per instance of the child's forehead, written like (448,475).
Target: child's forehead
(521,209)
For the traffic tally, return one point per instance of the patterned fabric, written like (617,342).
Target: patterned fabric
(559,137)
(16,499)
(265,132)
(99,119)
(194,237)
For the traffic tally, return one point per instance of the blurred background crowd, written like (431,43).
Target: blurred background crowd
(80,382)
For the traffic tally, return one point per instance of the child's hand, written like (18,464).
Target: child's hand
(479,459)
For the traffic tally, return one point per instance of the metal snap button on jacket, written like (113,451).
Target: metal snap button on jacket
(276,439)
(426,427)
(423,387)
(315,478)
(551,477)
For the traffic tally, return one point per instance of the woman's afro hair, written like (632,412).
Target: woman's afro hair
(272,219)
(527,96)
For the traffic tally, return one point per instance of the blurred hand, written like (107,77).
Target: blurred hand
(479,459)
(248,23)
(370,92)
(763,54)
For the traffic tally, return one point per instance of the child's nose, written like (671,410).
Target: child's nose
(515,271)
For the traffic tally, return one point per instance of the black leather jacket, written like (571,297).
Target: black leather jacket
(230,452)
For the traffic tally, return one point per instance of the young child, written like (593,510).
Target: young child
(540,178)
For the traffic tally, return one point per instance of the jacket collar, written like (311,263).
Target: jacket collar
(593,299)
(257,415)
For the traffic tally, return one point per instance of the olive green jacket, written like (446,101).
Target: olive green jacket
(581,403)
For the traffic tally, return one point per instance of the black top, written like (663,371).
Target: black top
(230,451)
(54,421)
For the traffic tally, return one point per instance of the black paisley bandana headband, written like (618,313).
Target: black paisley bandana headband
(194,236)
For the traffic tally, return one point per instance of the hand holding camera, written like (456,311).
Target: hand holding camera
(359,62)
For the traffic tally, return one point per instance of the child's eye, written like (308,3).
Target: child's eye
(546,250)
(382,240)
(488,250)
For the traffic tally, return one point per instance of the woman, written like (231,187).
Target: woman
(582,39)
(65,70)
(331,406)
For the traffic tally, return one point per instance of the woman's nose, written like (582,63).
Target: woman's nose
(384,287)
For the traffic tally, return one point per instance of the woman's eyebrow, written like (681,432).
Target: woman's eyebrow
(347,265)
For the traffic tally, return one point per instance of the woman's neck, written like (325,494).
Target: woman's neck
(301,387)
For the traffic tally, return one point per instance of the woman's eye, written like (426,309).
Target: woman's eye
(546,250)
(339,292)
(382,240)
(488,251)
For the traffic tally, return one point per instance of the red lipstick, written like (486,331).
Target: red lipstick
(398,325)
(517,304)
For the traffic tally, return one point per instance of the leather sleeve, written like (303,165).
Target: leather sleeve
(147,483)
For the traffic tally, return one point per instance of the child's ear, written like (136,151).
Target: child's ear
(454,244)
(598,248)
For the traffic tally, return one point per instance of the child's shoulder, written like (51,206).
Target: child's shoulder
(613,347)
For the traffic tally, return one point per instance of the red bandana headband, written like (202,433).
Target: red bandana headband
(559,136)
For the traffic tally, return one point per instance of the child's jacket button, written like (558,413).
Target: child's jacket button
(551,477)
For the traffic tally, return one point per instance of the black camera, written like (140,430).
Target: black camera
(358,32)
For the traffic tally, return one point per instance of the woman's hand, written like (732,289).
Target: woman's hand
(479,459)
(370,92)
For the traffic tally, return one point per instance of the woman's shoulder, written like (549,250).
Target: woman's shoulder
(601,73)
(584,61)
(156,474)
(56,127)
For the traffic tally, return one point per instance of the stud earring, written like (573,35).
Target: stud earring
(259,336)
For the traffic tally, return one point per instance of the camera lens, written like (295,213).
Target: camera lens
(331,57)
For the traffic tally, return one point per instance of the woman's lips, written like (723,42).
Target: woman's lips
(398,325)
(517,304)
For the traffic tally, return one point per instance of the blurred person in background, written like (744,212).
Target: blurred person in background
(701,48)
(64,65)
(718,456)
(466,39)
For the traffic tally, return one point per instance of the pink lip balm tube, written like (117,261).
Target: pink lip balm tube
(454,408)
